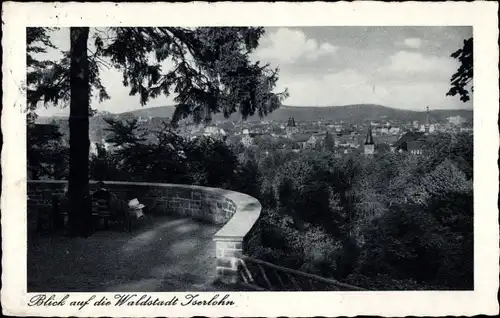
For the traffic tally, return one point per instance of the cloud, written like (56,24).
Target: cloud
(413,42)
(287,46)
(408,63)
(324,49)
(351,86)
(337,88)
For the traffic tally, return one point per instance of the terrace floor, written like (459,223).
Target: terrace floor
(163,254)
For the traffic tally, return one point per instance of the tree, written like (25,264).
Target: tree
(79,215)
(160,158)
(328,143)
(445,180)
(123,132)
(38,41)
(48,81)
(47,157)
(465,73)
(163,159)
(431,245)
(247,178)
(211,162)
(69,79)
(456,147)
(101,165)
(265,142)
(212,73)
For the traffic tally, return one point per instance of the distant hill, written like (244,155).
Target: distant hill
(161,111)
(349,113)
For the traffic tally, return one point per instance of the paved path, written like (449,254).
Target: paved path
(164,254)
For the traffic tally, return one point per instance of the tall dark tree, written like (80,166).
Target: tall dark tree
(79,213)
(212,73)
(463,77)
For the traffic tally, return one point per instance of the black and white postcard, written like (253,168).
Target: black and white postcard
(250,159)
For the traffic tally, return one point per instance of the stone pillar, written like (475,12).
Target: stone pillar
(228,251)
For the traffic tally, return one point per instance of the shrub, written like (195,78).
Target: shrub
(409,242)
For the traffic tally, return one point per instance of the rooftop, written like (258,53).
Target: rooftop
(407,137)
(300,137)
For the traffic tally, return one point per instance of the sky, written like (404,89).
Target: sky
(400,67)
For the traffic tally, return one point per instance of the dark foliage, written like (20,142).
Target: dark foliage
(46,155)
(465,73)
(212,73)
(397,222)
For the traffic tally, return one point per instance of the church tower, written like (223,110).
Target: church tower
(369,144)
(291,128)
(427,126)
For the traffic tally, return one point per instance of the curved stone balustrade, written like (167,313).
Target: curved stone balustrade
(237,212)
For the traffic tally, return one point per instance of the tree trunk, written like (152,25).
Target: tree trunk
(79,216)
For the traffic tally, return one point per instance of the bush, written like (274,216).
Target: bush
(321,252)
(312,250)
(384,282)
(247,179)
(409,242)
(210,162)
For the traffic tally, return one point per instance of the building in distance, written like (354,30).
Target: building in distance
(456,120)
(291,127)
(410,142)
(369,144)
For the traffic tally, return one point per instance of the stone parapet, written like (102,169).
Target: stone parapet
(238,213)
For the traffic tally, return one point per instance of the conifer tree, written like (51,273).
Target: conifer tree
(212,73)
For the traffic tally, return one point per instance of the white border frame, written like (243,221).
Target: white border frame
(481,15)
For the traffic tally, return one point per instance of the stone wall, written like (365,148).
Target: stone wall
(238,212)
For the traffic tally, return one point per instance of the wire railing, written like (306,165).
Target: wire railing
(259,275)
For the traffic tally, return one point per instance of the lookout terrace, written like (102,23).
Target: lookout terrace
(192,238)
(191,235)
